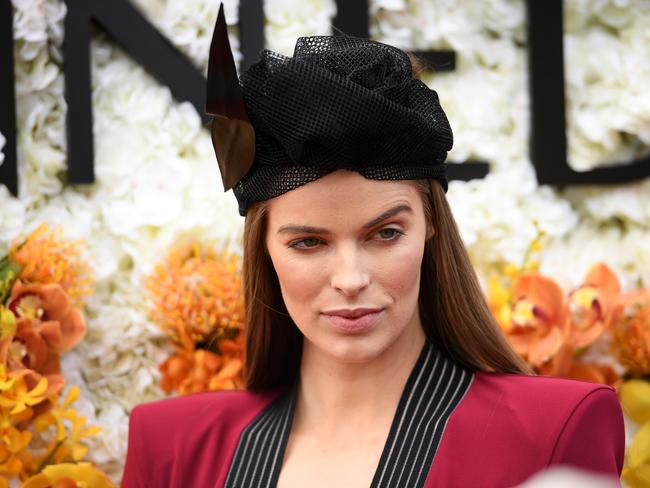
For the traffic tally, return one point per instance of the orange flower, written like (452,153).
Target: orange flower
(69,475)
(50,314)
(46,258)
(198,300)
(631,332)
(591,305)
(197,295)
(201,370)
(538,318)
(45,324)
(175,370)
(595,373)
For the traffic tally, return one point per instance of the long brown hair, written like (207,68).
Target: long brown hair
(453,310)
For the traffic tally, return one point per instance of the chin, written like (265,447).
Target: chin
(353,349)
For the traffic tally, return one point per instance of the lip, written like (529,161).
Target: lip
(356,320)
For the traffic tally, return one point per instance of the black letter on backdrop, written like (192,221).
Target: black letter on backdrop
(548,144)
(251,31)
(140,39)
(9,167)
(352,18)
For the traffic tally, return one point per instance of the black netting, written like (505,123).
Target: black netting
(339,103)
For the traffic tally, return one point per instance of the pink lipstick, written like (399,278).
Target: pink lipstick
(353,321)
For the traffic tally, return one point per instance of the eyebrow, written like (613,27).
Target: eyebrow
(307,229)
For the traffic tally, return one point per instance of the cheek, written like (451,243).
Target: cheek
(300,283)
(398,272)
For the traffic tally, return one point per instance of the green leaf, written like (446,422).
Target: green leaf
(9,273)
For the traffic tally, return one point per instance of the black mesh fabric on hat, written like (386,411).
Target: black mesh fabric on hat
(339,103)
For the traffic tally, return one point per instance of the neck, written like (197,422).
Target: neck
(363,393)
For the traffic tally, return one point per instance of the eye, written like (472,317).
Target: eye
(308,243)
(389,233)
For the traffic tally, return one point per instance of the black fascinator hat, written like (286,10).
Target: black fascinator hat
(339,103)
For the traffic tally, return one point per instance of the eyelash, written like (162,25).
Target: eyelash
(396,234)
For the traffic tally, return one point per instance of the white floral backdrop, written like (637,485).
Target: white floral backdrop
(157,177)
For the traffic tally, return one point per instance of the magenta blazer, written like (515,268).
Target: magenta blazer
(452,428)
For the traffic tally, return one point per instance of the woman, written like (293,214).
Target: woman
(372,358)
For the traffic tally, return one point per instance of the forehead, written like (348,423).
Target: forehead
(340,198)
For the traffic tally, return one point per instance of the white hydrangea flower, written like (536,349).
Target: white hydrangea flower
(627,203)
(189,25)
(40,108)
(498,226)
(287,20)
(607,46)
(567,259)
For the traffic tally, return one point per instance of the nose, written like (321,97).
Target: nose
(349,274)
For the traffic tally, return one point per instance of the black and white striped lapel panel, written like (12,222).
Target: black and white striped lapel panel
(435,387)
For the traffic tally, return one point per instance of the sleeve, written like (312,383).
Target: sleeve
(131,477)
(593,437)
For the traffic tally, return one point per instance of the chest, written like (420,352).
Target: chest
(323,461)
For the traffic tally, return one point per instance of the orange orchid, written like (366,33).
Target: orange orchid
(538,318)
(591,305)
(631,332)
(26,353)
(565,365)
(45,323)
(56,320)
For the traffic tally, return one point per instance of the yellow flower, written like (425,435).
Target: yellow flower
(635,397)
(636,471)
(16,440)
(500,300)
(70,428)
(78,432)
(12,442)
(9,463)
(80,475)
(7,322)
(19,398)
(6,381)
(56,414)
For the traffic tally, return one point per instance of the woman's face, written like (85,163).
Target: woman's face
(347,251)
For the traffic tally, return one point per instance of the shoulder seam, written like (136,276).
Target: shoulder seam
(568,419)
